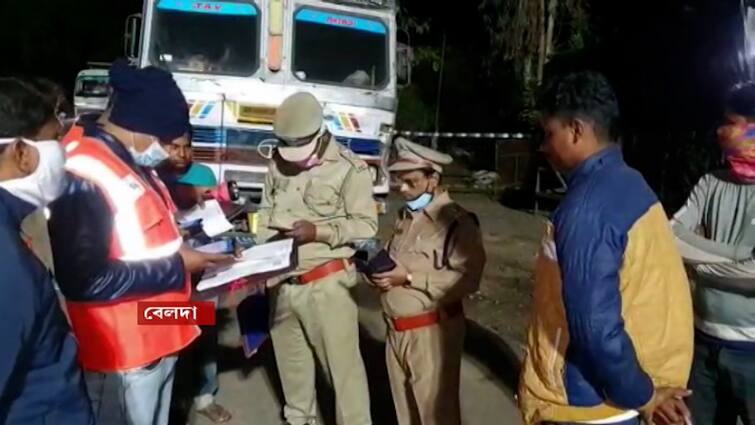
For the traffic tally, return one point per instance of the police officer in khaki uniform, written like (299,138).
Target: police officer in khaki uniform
(439,258)
(320,194)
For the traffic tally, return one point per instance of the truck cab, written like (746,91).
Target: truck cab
(237,60)
(91,91)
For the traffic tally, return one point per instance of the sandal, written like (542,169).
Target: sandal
(216,413)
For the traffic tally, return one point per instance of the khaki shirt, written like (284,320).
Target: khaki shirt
(418,243)
(335,196)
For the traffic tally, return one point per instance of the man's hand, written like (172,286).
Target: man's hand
(387,280)
(667,407)
(195,261)
(672,412)
(303,232)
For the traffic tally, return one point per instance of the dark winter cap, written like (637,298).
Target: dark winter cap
(148,101)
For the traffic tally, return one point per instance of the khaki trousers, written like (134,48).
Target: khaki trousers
(424,366)
(319,319)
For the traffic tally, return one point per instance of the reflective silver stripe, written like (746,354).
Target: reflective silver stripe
(126,222)
(630,414)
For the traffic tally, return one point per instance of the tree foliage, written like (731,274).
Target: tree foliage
(528,33)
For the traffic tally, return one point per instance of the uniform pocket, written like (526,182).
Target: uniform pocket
(322,198)
(279,185)
(277,190)
(428,247)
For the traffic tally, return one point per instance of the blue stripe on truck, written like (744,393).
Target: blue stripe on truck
(210,7)
(252,138)
(342,21)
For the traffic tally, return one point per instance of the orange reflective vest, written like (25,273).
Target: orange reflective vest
(110,339)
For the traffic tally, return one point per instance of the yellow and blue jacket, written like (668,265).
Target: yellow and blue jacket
(612,313)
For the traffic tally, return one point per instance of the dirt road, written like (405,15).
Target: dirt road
(498,314)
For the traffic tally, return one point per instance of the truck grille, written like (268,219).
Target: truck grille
(252,138)
(247,177)
(206,154)
(207,135)
(256,114)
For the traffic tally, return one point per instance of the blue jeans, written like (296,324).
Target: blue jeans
(723,385)
(207,359)
(137,397)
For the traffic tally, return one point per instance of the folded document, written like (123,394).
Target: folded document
(261,260)
(212,217)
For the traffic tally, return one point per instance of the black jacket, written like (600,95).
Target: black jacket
(40,379)
(81,228)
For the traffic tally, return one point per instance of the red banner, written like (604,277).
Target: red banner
(177,313)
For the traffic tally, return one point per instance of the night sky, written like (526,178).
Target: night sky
(55,39)
(671,62)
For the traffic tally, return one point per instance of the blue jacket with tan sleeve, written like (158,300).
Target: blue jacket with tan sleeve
(612,315)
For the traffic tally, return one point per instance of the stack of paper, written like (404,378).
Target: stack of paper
(261,259)
(213,219)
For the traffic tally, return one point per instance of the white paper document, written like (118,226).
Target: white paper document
(212,216)
(266,258)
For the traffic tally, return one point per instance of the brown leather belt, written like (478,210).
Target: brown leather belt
(402,324)
(321,271)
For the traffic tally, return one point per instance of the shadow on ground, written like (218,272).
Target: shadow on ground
(492,352)
(483,346)
(232,359)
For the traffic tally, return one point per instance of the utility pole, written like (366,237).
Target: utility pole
(748,55)
(440,90)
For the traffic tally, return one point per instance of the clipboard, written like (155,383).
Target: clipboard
(253,316)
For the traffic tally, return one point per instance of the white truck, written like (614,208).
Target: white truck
(91,90)
(236,60)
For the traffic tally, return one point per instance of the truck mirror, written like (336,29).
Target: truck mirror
(403,64)
(132,36)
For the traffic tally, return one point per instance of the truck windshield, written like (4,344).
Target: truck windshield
(340,49)
(215,37)
(92,86)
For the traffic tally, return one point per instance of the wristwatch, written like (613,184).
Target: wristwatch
(408,279)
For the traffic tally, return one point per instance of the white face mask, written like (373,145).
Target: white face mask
(47,182)
(152,156)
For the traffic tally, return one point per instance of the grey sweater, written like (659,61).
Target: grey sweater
(716,234)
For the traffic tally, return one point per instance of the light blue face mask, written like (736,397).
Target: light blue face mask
(152,156)
(420,203)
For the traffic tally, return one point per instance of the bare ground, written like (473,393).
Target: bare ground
(497,317)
